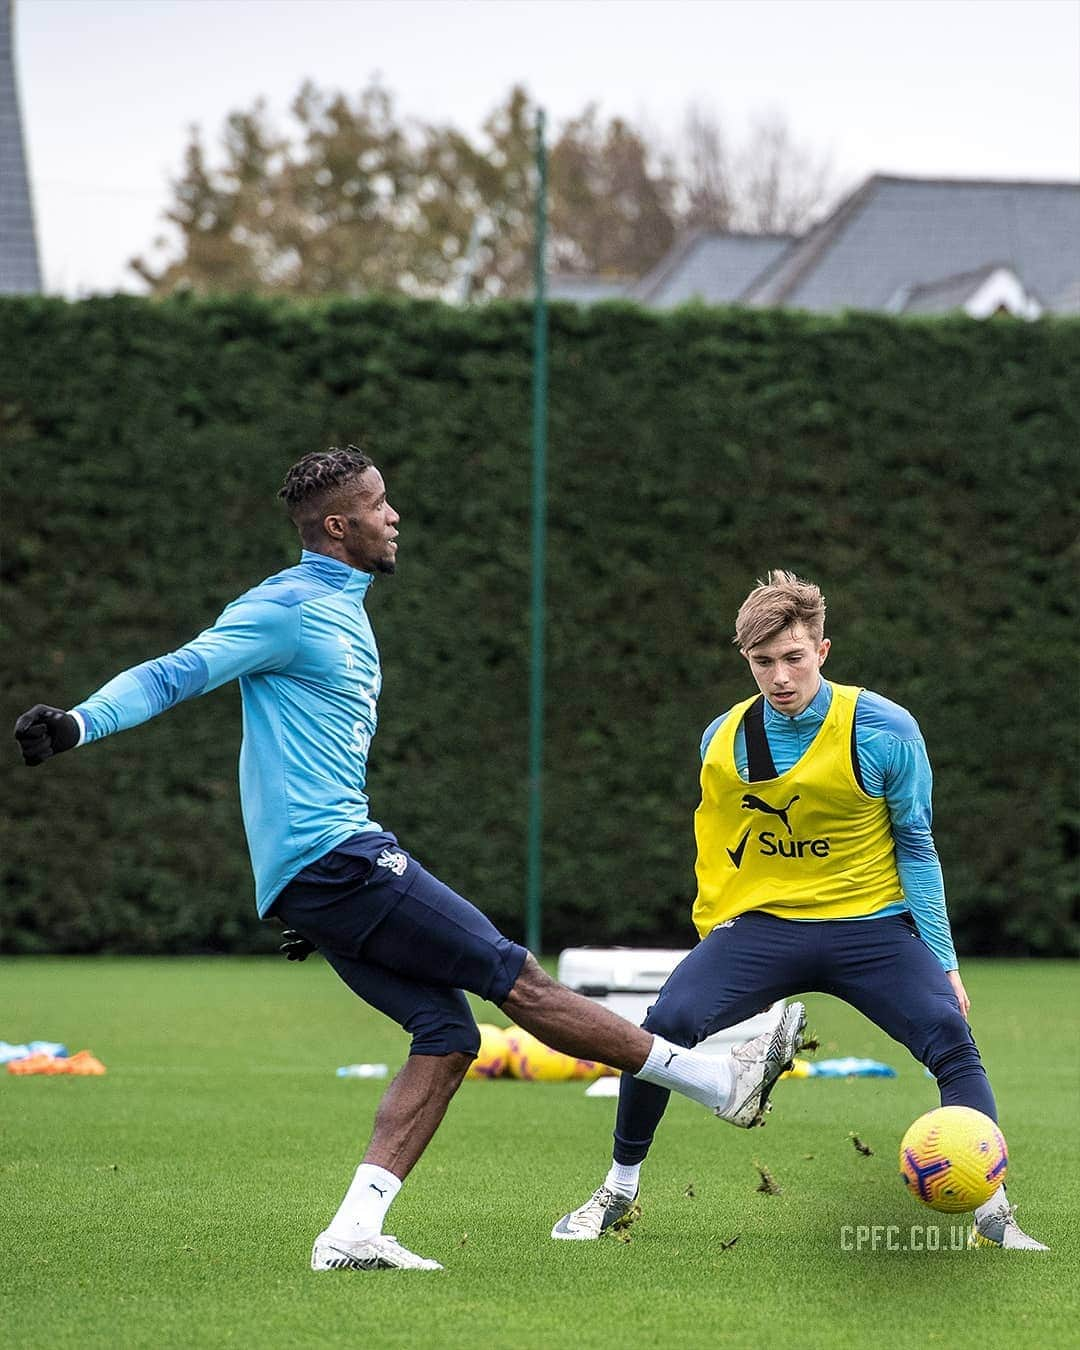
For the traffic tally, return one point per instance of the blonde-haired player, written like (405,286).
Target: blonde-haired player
(816,871)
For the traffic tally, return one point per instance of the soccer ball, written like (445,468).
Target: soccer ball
(587,1070)
(494,1052)
(953,1159)
(533,1061)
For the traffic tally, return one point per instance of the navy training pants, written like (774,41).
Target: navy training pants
(880,966)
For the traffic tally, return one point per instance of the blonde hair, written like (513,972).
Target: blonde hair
(781,602)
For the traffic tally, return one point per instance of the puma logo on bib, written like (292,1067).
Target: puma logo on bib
(770,844)
(752,803)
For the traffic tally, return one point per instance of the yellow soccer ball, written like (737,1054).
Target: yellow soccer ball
(953,1159)
(494,1053)
(535,1062)
(585,1070)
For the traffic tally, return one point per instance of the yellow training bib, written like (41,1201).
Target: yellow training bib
(810,844)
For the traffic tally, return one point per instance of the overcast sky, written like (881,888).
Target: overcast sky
(109,88)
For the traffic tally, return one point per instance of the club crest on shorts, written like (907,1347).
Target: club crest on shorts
(393,860)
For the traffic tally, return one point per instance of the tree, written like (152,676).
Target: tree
(708,190)
(781,185)
(211,209)
(476,201)
(353,199)
(330,215)
(773,185)
(338,217)
(612,212)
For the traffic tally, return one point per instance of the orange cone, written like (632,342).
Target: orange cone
(32,1064)
(84,1063)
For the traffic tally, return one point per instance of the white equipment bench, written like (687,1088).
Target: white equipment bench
(627,980)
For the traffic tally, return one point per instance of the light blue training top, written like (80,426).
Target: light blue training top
(302,647)
(894,765)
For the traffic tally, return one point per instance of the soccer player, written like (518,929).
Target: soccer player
(302,647)
(816,870)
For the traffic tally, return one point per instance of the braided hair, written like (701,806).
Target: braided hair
(314,482)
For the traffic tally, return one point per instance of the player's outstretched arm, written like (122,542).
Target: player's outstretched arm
(43,731)
(249,636)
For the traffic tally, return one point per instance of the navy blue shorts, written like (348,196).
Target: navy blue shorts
(401,940)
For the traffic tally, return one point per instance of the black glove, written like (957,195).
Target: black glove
(295,947)
(43,732)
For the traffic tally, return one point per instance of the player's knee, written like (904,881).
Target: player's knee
(675,1019)
(949,1042)
(532,975)
(444,1037)
(532,985)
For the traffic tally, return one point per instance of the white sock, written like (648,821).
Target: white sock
(988,1206)
(363,1210)
(623,1179)
(708,1079)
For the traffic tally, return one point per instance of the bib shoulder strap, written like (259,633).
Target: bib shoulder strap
(855,765)
(759,760)
(851,693)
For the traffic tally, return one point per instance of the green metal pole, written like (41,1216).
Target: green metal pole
(539,534)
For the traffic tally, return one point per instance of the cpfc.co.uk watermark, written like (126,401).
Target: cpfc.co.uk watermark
(895,1237)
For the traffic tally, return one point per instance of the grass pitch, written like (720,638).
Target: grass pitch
(173,1202)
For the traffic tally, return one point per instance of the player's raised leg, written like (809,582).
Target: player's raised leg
(734,1087)
(434,936)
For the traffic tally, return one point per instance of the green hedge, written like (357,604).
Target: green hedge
(923,472)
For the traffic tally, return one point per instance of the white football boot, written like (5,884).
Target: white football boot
(758,1064)
(381,1252)
(1000,1229)
(603,1210)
